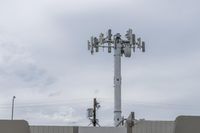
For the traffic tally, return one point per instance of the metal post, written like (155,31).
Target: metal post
(13,103)
(117,84)
(130,122)
(94,113)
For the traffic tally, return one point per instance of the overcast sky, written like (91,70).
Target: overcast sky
(44,60)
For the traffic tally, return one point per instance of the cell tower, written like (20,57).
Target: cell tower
(121,47)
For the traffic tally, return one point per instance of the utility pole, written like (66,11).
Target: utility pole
(92,112)
(121,47)
(13,104)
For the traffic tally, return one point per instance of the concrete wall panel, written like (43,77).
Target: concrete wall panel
(14,126)
(52,129)
(154,127)
(187,124)
(102,130)
(140,127)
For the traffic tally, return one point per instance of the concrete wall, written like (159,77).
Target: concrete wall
(65,129)
(154,127)
(187,124)
(53,129)
(102,130)
(14,126)
(140,127)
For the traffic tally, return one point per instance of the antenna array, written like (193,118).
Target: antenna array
(110,42)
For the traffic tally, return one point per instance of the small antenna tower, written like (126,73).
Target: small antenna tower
(92,113)
(121,47)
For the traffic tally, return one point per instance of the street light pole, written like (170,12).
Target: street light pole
(13,104)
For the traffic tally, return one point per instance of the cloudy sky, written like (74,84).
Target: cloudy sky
(44,60)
